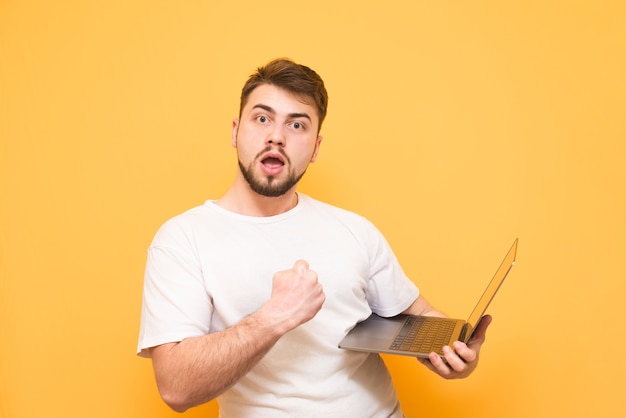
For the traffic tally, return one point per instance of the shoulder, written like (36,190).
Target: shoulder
(347,218)
(182,226)
(310,203)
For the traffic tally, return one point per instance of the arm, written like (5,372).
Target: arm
(196,370)
(460,361)
(422,307)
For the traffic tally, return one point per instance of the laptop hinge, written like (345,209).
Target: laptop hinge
(464,332)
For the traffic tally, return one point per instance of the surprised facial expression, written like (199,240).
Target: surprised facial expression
(276,139)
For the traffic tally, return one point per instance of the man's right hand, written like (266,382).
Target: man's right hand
(197,369)
(297,296)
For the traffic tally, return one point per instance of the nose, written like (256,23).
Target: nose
(276,136)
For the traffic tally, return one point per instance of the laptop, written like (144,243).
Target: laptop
(417,336)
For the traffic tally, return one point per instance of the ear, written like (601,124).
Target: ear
(233,140)
(318,142)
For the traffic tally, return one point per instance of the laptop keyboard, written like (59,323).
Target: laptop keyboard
(434,334)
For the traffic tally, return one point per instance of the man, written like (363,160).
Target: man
(247,297)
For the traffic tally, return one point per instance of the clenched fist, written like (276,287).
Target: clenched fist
(297,296)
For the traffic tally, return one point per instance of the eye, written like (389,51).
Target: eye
(299,126)
(262,118)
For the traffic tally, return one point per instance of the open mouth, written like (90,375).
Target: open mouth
(273,160)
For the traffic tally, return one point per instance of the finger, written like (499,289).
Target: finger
(438,365)
(481,329)
(465,353)
(455,361)
(483,324)
(301,266)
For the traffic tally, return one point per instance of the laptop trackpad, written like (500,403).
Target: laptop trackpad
(375,333)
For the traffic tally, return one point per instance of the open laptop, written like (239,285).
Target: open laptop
(417,336)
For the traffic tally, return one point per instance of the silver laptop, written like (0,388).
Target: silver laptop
(417,336)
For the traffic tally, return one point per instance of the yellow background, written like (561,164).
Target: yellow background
(455,126)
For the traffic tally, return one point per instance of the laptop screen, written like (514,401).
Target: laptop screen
(491,290)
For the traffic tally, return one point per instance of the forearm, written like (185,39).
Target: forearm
(422,307)
(196,370)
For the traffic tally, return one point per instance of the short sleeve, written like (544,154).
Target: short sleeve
(389,290)
(175,302)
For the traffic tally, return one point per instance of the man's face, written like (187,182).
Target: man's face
(276,139)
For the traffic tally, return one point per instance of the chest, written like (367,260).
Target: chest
(239,261)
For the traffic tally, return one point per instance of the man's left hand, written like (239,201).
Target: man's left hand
(463,359)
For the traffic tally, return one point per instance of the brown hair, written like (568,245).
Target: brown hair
(295,78)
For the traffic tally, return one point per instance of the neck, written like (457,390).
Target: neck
(240,198)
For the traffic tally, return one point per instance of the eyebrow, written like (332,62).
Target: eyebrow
(273,112)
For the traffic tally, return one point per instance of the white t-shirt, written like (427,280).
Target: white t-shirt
(208,268)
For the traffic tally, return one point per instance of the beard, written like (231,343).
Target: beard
(269,187)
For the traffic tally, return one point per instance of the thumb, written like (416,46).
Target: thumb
(481,329)
(301,266)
